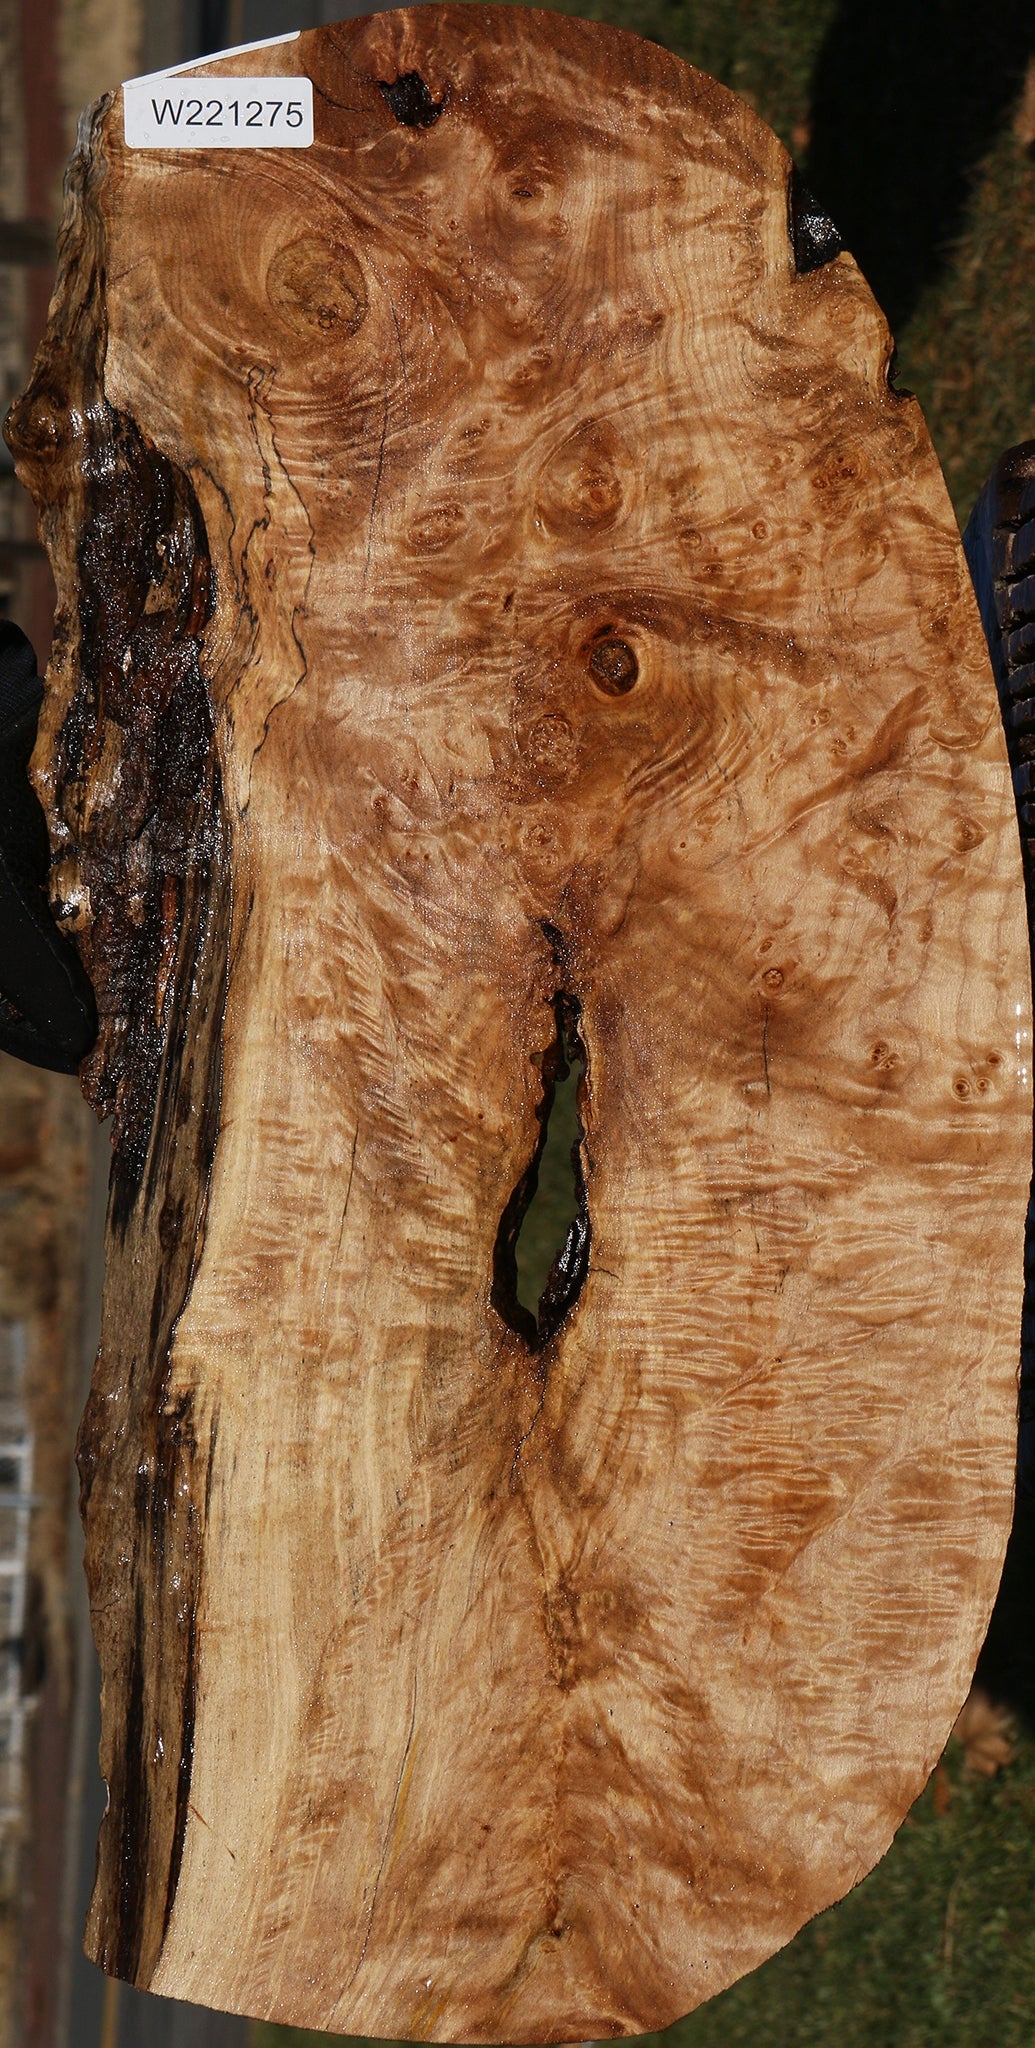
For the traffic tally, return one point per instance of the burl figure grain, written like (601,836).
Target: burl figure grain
(502,602)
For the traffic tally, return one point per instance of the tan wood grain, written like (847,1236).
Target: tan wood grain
(489,572)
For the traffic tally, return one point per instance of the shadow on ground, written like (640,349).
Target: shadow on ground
(907,98)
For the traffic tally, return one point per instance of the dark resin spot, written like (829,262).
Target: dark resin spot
(613,666)
(410,100)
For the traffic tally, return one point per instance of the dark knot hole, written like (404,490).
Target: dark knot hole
(542,1246)
(410,101)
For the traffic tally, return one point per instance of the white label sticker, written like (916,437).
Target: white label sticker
(218,113)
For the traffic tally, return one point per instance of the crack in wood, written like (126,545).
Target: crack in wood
(570,1264)
(386,1845)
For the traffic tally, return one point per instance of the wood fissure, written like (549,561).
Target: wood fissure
(569,1268)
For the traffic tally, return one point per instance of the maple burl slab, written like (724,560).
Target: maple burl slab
(505,609)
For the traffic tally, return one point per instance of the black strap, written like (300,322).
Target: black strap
(47,1011)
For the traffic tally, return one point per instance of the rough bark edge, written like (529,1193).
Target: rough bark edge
(127,768)
(1000,547)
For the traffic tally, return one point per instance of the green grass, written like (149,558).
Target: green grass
(935,1949)
(904,118)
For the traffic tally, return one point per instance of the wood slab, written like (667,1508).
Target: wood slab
(506,610)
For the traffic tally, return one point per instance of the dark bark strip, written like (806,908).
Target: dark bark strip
(1000,548)
(136,811)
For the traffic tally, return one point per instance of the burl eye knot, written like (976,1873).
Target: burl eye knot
(613,666)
